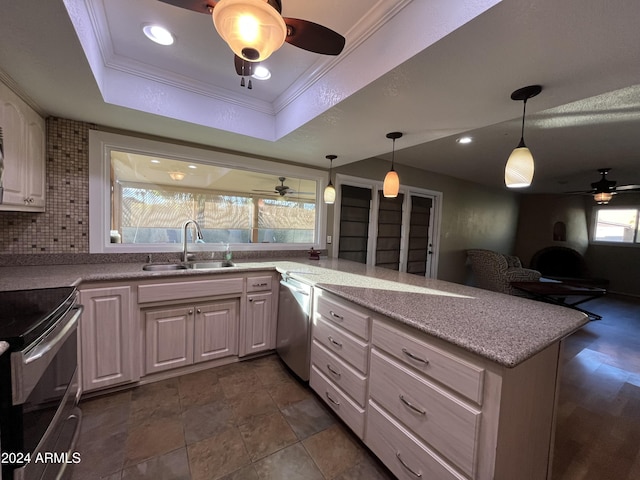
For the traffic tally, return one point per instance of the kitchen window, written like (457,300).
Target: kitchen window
(142,192)
(617,225)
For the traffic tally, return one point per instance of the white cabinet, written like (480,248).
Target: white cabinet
(23,176)
(427,408)
(258,328)
(107,337)
(183,335)
(446,413)
(340,357)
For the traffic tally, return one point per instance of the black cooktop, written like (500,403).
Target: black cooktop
(27,314)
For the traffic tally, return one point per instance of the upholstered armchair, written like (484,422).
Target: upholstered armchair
(495,271)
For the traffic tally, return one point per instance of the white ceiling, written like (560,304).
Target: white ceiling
(432,69)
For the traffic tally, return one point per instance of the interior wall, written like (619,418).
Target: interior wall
(538,215)
(620,264)
(473,216)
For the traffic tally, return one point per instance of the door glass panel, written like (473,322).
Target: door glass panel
(389,232)
(419,235)
(354,223)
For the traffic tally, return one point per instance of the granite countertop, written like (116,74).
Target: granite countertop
(505,329)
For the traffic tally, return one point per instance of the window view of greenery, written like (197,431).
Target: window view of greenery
(617,225)
(153,197)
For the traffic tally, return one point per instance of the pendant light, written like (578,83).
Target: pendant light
(329,190)
(391,184)
(518,172)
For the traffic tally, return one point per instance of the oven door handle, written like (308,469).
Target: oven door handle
(28,366)
(41,350)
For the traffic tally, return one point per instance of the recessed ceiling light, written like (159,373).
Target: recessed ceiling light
(158,34)
(192,166)
(261,73)
(155,161)
(464,140)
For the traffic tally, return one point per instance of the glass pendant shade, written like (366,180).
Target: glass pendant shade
(253,29)
(391,185)
(329,194)
(519,170)
(602,198)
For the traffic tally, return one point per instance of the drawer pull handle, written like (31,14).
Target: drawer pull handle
(336,373)
(412,471)
(335,315)
(412,406)
(260,284)
(331,399)
(414,357)
(336,343)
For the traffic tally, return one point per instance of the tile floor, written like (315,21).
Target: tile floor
(245,421)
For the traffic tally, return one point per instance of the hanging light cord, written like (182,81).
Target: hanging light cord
(393,153)
(524,113)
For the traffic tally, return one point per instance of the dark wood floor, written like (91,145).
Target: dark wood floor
(598,429)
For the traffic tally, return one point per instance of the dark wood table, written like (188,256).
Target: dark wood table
(558,293)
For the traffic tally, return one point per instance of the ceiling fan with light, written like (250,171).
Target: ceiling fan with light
(254,29)
(603,190)
(283,189)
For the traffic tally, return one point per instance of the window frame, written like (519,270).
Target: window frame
(594,224)
(102,143)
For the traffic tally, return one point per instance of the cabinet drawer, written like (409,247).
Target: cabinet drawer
(348,318)
(464,377)
(341,374)
(401,452)
(343,406)
(258,284)
(157,292)
(341,343)
(437,417)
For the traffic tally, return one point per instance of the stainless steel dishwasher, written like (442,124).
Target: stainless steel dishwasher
(293,338)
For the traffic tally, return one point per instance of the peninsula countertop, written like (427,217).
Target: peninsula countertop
(505,329)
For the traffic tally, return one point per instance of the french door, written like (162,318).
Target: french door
(396,233)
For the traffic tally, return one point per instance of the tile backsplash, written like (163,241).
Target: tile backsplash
(64,225)
(60,234)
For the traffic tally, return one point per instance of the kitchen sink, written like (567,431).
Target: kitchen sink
(210,264)
(159,267)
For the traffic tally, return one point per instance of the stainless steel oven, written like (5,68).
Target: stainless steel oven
(39,416)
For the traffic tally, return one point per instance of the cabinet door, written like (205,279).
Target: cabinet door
(107,336)
(23,133)
(216,330)
(15,170)
(168,338)
(35,156)
(259,331)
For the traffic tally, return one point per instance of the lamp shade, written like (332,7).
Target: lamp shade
(518,172)
(329,194)
(253,29)
(391,184)
(602,198)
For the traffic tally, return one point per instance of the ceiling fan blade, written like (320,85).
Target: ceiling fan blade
(627,188)
(243,67)
(200,6)
(313,37)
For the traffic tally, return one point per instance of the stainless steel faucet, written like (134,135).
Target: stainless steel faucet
(185,226)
